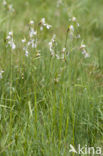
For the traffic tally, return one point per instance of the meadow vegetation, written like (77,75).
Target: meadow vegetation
(51,76)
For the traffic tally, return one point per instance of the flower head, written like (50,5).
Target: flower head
(1,74)
(10,40)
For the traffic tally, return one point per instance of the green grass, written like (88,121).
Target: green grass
(47,104)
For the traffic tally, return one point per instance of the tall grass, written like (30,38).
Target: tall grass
(46,103)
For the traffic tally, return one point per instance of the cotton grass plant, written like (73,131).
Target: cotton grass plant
(50,78)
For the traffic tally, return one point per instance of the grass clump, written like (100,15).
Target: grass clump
(51,76)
